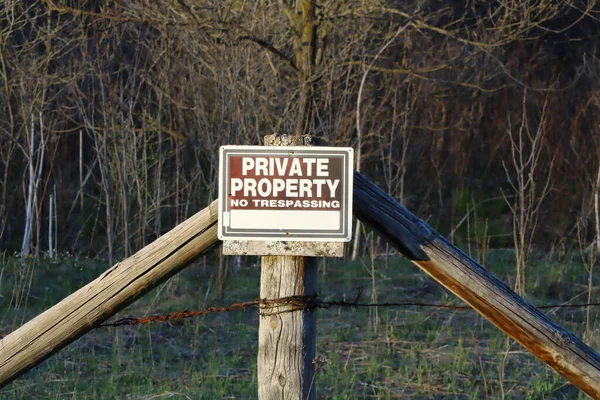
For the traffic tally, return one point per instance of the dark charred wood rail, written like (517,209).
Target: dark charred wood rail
(488,295)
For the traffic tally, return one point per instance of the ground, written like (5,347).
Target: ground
(384,353)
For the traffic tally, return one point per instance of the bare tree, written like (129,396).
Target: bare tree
(530,184)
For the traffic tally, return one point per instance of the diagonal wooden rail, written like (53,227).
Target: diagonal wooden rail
(119,286)
(488,295)
(60,325)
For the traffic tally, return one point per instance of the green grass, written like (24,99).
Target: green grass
(417,353)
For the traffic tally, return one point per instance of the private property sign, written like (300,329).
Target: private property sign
(285,193)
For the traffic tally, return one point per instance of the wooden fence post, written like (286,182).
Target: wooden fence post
(287,339)
(254,220)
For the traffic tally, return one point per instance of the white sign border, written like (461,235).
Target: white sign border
(347,172)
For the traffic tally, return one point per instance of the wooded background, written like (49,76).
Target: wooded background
(481,116)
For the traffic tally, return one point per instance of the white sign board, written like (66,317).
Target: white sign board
(285,193)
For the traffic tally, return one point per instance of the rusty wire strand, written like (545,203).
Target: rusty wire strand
(302,303)
(293,304)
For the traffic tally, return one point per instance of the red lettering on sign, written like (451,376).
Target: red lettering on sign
(285,182)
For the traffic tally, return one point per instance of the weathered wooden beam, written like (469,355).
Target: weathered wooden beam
(126,281)
(488,295)
(286,338)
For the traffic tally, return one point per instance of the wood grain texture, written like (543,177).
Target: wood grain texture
(399,226)
(286,340)
(279,248)
(126,281)
(488,295)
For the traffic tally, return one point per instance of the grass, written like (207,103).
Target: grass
(417,353)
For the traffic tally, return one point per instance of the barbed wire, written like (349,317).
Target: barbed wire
(298,303)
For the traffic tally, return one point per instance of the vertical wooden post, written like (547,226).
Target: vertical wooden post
(287,340)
